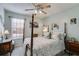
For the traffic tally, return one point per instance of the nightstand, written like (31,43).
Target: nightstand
(72,47)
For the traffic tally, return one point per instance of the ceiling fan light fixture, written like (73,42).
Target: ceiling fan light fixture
(36,11)
(40,11)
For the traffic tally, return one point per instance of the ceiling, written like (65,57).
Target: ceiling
(20,7)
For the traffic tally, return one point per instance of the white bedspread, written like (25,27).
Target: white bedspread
(44,46)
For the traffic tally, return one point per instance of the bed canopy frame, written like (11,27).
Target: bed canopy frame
(31,50)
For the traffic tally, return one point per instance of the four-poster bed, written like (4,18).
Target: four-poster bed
(43,46)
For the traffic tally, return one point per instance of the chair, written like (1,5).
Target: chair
(5,48)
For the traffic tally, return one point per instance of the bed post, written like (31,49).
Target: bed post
(65,37)
(32,36)
(24,30)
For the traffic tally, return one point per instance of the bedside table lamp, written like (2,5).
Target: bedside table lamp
(6,32)
(45,31)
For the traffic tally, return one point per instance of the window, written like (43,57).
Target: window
(17,27)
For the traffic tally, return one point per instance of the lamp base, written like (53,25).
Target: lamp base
(6,37)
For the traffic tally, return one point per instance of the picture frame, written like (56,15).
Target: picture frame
(55,26)
(73,21)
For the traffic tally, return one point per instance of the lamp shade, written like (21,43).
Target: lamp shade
(6,32)
(45,29)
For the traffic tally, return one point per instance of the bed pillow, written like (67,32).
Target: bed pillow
(55,35)
(46,35)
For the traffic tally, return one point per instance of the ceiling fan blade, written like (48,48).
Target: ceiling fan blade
(44,12)
(34,4)
(48,6)
(28,9)
(45,7)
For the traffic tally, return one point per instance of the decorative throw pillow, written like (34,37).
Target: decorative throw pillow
(46,35)
(54,35)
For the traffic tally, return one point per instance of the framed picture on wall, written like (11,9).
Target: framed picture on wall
(73,21)
(55,26)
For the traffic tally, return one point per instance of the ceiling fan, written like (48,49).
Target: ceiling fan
(39,7)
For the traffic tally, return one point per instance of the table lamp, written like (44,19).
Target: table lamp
(6,32)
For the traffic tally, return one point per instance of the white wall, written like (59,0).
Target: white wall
(65,16)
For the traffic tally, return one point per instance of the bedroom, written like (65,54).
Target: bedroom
(51,26)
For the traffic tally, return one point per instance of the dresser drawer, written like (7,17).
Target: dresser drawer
(72,47)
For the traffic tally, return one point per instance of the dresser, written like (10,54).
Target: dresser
(72,47)
(6,46)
